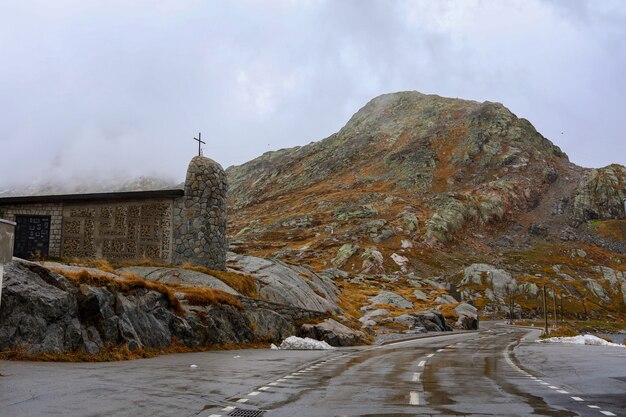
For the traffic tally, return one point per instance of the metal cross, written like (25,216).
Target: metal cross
(200,142)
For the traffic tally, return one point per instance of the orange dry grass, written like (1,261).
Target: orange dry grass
(199,296)
(242,283)
(130,283)
(562,331)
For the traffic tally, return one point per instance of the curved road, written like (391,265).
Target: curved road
(462,374)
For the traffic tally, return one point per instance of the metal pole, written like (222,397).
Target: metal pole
(561,300)
(545,311)
(556,319)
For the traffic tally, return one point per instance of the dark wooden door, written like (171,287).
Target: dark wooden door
(32,236)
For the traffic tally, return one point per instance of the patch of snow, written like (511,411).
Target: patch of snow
(586,339)
(298,343)
(273,347)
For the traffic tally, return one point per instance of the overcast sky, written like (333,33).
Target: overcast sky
(119,88)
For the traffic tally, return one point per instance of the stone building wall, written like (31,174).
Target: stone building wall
(199,234)
(54,210)
(126,230)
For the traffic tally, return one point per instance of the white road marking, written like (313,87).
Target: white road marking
(254,393)
(421,364)
(273,383)
(544,383)
(414,398)
(431,355)
(593,406)
(416,376)
(289,376)
(577,399)
(264,388)
(228,408)
(440,350)
(281,380)
(553,387)
(215,415)
(242,400)
(607,413)
(562,391)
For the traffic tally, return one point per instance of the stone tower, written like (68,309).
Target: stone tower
(199,234)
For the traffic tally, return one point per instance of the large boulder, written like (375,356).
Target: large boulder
(332,332)
(432,321)
(289,284)
(392,299)
(468,316)
(499,281)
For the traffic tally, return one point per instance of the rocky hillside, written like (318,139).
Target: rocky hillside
(424,186)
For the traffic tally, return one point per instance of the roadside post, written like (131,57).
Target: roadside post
(7,232)
(556,319)
(545,311)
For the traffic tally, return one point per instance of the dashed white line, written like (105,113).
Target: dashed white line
(215,415)
(577,399)
(254,393)
(593,406)
(263,388)
(242,400)
(553,387)
(281,380)
(421,364)
(607,413)
(562,391)
(273,383)
(440,350)
(416,376)
(430,356)
(414,398)
(228,408)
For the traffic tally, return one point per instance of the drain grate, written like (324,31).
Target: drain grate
(241,412)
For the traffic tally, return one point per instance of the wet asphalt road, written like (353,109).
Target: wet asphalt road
(452,375)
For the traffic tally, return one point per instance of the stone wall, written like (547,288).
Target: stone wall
(54,210)
(200,216)
(125,230)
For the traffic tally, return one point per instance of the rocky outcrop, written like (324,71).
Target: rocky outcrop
(289,284)
(178,276)
(424,321)
(392,299)
(600,194)
(498,281)
(42,311)
(468,316)
(333,333)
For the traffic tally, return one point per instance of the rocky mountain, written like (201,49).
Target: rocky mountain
(424,186)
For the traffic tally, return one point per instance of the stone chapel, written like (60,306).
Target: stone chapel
(171,226)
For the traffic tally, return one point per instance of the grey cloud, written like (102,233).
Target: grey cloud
(118,89)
